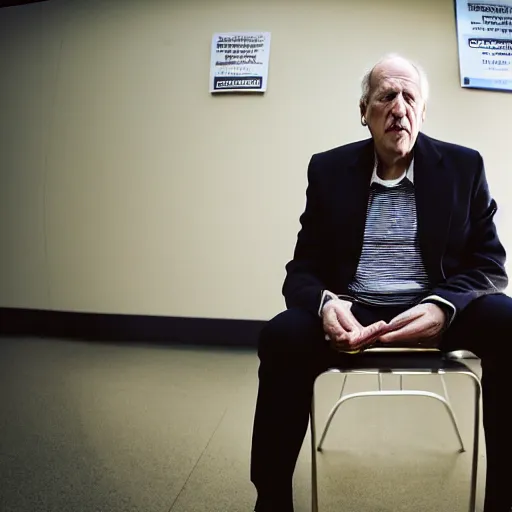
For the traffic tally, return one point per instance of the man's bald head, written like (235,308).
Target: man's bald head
(368,82)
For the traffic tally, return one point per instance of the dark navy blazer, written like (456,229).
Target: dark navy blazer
(463,256)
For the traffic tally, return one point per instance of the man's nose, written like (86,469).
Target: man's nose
(398,109)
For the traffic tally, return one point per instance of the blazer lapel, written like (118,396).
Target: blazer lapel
(355,192)
(433,184)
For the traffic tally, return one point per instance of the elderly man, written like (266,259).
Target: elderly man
(397,246)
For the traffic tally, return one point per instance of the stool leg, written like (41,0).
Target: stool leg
(314,475)
(343,384)
(327,425)
(476,444)
(453,417)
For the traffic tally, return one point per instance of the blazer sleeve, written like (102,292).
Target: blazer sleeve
(307,273)
(482,268)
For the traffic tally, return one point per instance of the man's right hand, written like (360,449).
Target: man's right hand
(344,331)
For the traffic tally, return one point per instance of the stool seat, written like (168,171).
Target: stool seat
(392,360)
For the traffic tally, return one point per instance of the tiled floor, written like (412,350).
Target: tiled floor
(98,427)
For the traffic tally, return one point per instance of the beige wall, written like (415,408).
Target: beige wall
(125,187)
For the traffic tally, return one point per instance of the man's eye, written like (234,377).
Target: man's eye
(389,97)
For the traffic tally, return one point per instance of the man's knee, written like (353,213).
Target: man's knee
(484,327)
(294,331)
(493,312)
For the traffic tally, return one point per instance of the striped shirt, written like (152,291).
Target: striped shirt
(391,269)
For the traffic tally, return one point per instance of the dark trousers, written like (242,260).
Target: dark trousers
(293,352)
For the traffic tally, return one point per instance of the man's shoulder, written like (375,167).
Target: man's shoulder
(348,154)
(357,148)
(450,148)
(350,150)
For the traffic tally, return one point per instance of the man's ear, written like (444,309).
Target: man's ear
(424,113)
(362,108)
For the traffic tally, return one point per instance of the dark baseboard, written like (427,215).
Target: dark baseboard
(15,3)
(129,328)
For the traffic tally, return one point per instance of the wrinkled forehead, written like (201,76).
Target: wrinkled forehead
(395,75)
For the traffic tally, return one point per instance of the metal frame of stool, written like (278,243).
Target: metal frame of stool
(458,356)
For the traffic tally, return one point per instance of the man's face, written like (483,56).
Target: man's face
(395,110)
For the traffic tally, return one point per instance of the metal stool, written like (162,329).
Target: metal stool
(403,361)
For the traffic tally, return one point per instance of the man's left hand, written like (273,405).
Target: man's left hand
(421,323)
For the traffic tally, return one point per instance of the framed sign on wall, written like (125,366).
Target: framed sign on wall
(484,33)
(239,62)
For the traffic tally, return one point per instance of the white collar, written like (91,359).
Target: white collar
(409,173)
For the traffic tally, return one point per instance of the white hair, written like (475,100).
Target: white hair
(367,79)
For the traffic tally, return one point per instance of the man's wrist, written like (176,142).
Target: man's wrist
(326,300)
(447,307)
(328,296)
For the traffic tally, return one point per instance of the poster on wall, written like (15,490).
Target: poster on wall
(484,32)
(239,62)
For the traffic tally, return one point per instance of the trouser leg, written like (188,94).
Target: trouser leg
(485,328)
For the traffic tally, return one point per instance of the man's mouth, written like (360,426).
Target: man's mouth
(396,128)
